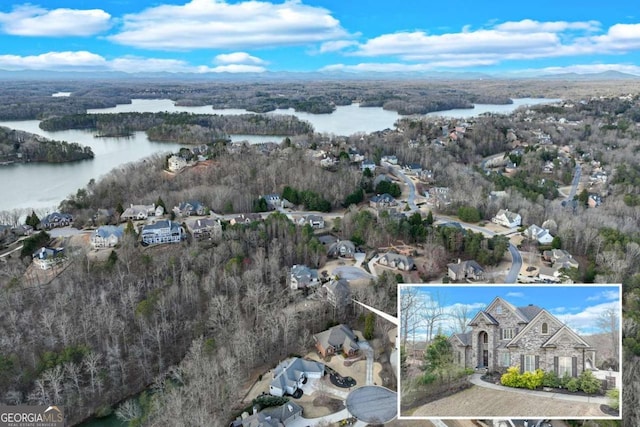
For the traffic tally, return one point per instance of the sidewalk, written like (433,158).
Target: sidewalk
(476,380)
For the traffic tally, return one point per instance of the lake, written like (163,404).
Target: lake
(43,185)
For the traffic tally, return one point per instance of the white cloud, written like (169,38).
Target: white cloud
(515,294)
(399,67)
(28,20)
(619,38)
(87,61)
(237,58)
(336,45)
(531,26)
(585,321)
(605,295)
(207,24)
(62,61)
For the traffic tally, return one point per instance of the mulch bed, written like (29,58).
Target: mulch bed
(609,410)
(340,381)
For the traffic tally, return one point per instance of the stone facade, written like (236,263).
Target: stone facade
(529,337)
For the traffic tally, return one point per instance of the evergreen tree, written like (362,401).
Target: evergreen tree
(32,220)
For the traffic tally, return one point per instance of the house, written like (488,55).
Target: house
(191,207)
(292,373)
(368,164)
(594,201)
(273,201)
(337,339)
(426,175)
(510,167)
(46,258)
(342,248)
(138,212)
(246,218)
(5,230)
(22,230)
(393,160)
(393,260)
(382,201)
(507,218)
(465,270)
(338,293)
(315,221)
(55,219)
(413,168)
(176,163)
(107,236)
(159,211)
(530,337)
(163,231)
(302,276)
(274,416)
(559,258)
(542,235)
(204,228)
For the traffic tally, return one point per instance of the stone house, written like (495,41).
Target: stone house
(339,338)
(465,270)
(338,293)
(400,262)
(204,228)
(530,337)
(342,248)
(55,219)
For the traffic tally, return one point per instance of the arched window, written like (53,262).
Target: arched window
(545,329)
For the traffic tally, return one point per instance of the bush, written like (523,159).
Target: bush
(531,380)
(588,383)
(573,385)
(565,380)
(511,378)
(550,379)
(614,398)
(428,378)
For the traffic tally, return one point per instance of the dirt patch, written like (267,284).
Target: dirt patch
(333,405)
(478,403)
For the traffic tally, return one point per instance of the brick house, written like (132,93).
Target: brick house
(503,335)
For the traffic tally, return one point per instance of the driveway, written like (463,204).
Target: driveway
(351,273)
(479,402)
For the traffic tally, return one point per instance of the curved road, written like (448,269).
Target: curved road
(411,200)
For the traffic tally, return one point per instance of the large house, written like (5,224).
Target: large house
(393,260)
(292,374)
(107,236)
(541,235)
(274,416)
(176,163)
(338,293)
(465,270)
(303,277)
(315,221)
(164,231)
(507,218)
(55,219)
(382,201)
(46,258)
(337,339)
(204,228)
(138,212)
(192,207)
(342,248)
(503,335)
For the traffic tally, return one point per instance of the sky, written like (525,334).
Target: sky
(578,306)
(200,36)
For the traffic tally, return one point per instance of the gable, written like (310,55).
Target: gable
(566,336)
(499,304)
(533,330)
(483,318)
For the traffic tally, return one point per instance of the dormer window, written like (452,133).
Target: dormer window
(545,329)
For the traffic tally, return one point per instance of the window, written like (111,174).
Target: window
(505,359)
(508,333)
(459,358)
(530,363)
(564,366)
(499,309)
(545,329)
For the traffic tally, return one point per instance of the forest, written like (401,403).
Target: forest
(19,146)
(184,128)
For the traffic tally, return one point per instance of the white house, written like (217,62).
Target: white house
(540,234)
(303,277)
(176,163)
(164,231)
(507,219)
(138,212)
(46,258)
(291,374)
(106,236)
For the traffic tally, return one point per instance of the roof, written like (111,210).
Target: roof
(106,231)
(162,224)
(391,258)
(197,224)
(44,253)
(383,198)
(288,372)
(511,216)
(529,312)
(304,273)
(284,412)
(465,338)
(338,336)
(463,266)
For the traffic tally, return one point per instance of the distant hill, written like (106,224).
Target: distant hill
(605,75)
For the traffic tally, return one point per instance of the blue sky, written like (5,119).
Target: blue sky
(579,306)
(497,37)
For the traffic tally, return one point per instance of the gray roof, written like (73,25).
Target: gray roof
(393,258)
(383,198)
(288,372)
(465,338)
(463,266)
(340,288)
(44,253)
(284,412)
(529,311)
(106,231)
(338,336)
(304,274)
(162,224)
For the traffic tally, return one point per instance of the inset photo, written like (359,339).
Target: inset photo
(501,351)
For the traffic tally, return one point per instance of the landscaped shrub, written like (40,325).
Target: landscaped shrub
(614,398)
(550,379)
(531,380)
(573,385)
(428,378)
(588,383)
(511,378)
(565,380)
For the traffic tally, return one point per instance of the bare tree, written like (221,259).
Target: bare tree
(609,323)
(411,304)
(461,315)
(433,313)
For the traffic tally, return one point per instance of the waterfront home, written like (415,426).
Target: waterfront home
(46,258)
(55,219)
(163,231)
(138,212)
(107,236)
(204,228)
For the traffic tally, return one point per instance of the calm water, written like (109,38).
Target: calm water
(45,185)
